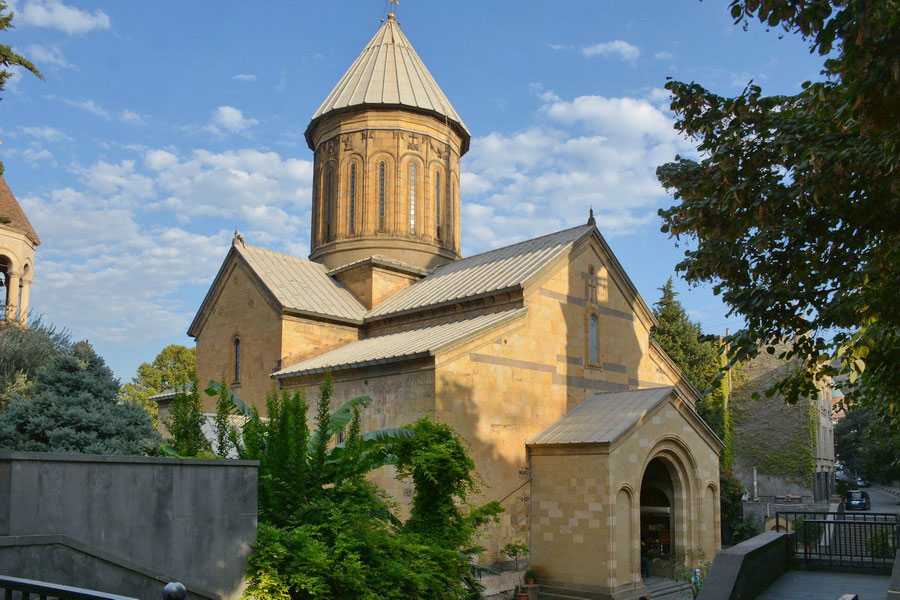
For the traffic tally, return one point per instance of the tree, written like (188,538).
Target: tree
(698,360)
(24,351)
(8,56)
(793,203)
(185,424)
(74,407)
(864,447)
(174,366)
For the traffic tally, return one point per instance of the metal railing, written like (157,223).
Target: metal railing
(841,541)
(15,588)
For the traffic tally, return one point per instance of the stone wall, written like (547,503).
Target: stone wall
(778,439)
(745,570)
(185,519)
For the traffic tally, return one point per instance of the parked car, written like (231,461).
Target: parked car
(857,500)
(860,482)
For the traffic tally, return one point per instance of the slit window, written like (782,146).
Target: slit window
(412,198)
(381,174)
(352,200)
(437,202)
(237,360)
(593,341)
(329,202)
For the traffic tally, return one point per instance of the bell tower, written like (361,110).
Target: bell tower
(18,241)
(387,145)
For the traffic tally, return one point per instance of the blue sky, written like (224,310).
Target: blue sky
(161,126)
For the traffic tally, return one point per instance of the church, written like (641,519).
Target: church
(537,353)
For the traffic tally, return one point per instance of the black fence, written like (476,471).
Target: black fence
(23,589)
(841,541)
(14,588)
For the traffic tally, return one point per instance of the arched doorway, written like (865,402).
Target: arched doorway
(657,514)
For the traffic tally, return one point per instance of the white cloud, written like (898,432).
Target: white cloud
(664,55)
(129,116)
(623,50)
(228,119)
(55,14)
(589,151)
(45,132)
(245,77)
(90,106)
(50,55)
(136,232)
(559,47)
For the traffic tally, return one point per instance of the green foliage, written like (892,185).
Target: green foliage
(25,351)
(328,533)
(74,407)
(185,424)
(730,492)
(444,477)
(793,205)
(807,533)
(174,366)
(225,432)
(9,57)
(880,546)
(866,446)
(514,550)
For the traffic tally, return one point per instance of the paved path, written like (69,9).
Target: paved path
(820,585)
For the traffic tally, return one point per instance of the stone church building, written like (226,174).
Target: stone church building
(18,242)
(538,353)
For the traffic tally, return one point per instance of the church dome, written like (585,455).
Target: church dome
(389,73)
(386,175)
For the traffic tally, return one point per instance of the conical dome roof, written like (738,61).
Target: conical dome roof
(12,215)
(389,73)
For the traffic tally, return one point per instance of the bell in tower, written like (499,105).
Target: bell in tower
(387,146)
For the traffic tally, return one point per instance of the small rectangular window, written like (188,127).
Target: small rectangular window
(593,341)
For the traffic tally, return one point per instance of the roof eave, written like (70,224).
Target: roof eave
(356,365)
(458,126)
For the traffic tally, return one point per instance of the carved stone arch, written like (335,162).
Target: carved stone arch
(412,193)
(675,455)
(626,535)
(352,193)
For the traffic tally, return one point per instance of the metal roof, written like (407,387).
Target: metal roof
(492,271)
(404,345)
(388,72)
(301,285)
(602,418)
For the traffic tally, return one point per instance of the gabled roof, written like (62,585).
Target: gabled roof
(404,345)
(388,72)
(9,208)
(298,286)
(489,272)
(602,418)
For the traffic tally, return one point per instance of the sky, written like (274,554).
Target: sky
(162,126)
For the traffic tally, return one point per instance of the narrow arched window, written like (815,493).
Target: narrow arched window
(593,341)
(437,203)
(329,203)
(412,197)
(352,202)
(237,360)
(381,186)
(450,211)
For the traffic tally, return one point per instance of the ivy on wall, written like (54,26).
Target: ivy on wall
(779,445)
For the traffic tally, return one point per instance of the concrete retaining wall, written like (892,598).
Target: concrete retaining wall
(743,571)
(178,519)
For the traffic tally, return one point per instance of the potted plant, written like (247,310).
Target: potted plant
(530,576)
(514,550)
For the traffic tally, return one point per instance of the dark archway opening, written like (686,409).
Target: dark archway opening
(657,493)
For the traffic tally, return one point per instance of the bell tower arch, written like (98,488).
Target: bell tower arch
(18,242)
(387,147)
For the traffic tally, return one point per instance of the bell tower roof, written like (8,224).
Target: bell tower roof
(389,73)
(12,215)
